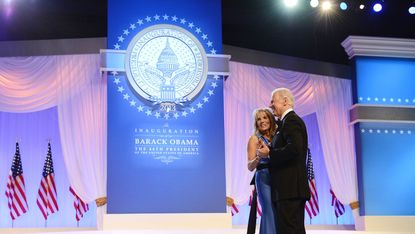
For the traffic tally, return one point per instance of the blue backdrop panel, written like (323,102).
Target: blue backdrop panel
(165,154)
(385,81)
(387,152)
(388,158)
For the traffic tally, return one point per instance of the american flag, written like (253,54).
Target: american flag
(311,206)
(80,207)
(234,209)
(338,206)
(47,196)
(15,190)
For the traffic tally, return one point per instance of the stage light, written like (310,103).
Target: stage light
(343,6)
(314,3)
(411,10)
(290,3)
(326,6)
(361,6)
(377,7)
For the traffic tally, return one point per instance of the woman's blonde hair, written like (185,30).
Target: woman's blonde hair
(273,124)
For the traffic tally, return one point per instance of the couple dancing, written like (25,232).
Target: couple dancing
(278,153)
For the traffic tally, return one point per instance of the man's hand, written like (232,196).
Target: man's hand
(263,150)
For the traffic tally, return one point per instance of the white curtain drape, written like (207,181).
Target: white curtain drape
(28,84)
(250,86)
(333,101)
(72,83)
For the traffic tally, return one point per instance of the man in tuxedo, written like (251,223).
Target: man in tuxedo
(288,151)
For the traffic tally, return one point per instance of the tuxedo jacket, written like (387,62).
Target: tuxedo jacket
(288,154)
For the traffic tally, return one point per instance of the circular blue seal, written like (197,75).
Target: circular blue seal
(166,64)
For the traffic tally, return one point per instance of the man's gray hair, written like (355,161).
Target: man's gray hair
(284,92)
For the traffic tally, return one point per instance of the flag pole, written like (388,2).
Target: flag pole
(77,224)
(12,223)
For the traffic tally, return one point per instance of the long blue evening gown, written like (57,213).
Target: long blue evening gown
(263,187)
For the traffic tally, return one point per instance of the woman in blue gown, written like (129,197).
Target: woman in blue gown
(265,128)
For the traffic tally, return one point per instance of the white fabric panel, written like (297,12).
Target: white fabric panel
(74,84)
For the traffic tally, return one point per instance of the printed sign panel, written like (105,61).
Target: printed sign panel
(165,108)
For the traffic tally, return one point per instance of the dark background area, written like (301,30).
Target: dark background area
(265,25)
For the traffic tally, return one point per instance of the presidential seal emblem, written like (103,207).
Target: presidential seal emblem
(166,65)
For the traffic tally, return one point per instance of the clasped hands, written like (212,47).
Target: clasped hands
(262,150)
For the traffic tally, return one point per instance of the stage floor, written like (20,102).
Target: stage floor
(177,231)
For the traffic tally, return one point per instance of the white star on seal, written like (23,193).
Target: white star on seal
(199,105)
(206,99)
(192,110)
(117,80)
(204,36)
(114,73)
(140,22)
(198,30)
(120,39)
(213,51)
(157,115)
(132,103)
(120,89)
(214,85)
(148,19)
(140,108)
(210,92)
(191,25)
(174,18)
(126,32)
(166,116)
(183,21)
(216,77)
(126,96)
(116,46)
(176,115)
(148,112)
(165,17)
(132,26)
(184,113)
(209,43)
(157,17)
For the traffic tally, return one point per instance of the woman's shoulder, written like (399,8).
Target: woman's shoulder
(253,137)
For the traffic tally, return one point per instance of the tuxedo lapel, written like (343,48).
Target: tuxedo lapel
(275,139)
